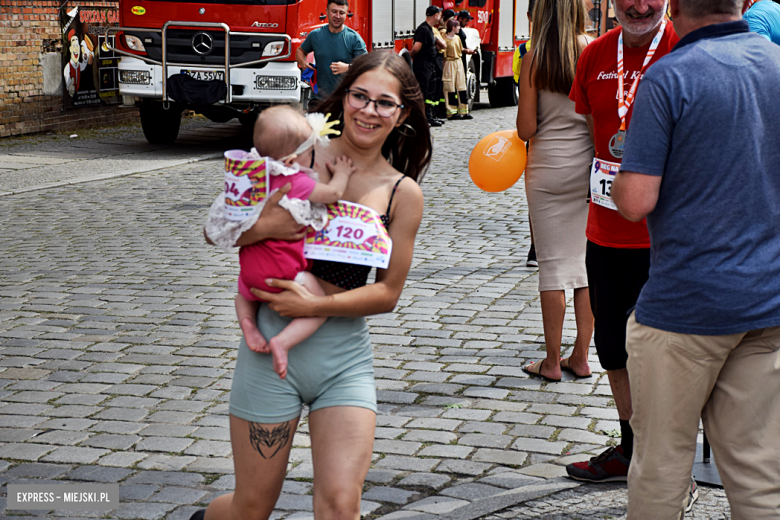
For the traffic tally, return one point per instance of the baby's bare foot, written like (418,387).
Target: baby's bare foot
(254,340)
(279,353)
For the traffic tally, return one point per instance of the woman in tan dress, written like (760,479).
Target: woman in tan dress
(556,178)
(454,76)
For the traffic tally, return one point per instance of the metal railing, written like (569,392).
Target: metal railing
(217,25)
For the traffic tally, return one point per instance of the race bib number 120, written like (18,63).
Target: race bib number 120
(354,235)
(601,176)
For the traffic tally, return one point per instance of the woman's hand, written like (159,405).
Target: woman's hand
(279,221)
(294,301)
(274,222)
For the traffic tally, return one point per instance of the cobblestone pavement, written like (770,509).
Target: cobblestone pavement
(45,161)
(118,339)
(607,502)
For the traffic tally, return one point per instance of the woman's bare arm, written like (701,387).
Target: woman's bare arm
(526,105)
(377,298)
(274,222)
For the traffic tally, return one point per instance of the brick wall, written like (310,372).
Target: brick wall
(30,29)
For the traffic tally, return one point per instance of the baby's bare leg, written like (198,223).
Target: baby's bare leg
(298,329)
(247,314)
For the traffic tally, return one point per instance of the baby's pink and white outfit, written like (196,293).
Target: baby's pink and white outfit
(275,258)
(270,258)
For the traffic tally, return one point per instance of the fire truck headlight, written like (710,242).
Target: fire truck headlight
(276,83)
(135,43)
(135,77)
(273,49)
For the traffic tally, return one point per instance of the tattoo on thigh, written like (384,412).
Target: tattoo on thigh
(268,442)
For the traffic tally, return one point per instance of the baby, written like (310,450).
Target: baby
(285,137)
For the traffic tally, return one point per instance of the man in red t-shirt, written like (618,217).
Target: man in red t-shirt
(618,251)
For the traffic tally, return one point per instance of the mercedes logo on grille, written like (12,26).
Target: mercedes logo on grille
(202,43)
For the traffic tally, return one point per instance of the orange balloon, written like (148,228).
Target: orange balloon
(498,161)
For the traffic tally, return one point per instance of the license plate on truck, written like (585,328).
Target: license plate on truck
(205,75)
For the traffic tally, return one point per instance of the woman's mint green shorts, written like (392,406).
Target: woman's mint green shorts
(333,367)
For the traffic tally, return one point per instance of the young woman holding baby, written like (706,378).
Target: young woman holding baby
(384,133)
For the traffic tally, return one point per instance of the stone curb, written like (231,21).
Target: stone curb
(113,175)
(485,506)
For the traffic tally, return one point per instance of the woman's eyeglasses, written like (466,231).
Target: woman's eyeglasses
(384,107)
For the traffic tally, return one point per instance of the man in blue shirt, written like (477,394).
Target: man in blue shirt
(701,163)
(763,16)
(334,46)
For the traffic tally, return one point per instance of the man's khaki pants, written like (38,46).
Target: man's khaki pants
(733,383)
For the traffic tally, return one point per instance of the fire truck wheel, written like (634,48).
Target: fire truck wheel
(160,126)
(503,93)
(515,96)
(472,84)
(248,119)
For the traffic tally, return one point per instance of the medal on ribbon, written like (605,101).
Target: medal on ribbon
(618,141)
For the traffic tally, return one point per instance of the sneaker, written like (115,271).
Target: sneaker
(693,495)
(610,466)
(531,260)
(198,515)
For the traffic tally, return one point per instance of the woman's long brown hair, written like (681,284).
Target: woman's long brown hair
(409,155)
(558,25)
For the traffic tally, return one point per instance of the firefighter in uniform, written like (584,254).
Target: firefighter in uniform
(424,54)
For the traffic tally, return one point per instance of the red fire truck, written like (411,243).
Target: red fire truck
(241,52)
(498,27)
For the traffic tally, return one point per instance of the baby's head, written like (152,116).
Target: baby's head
(279,131)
